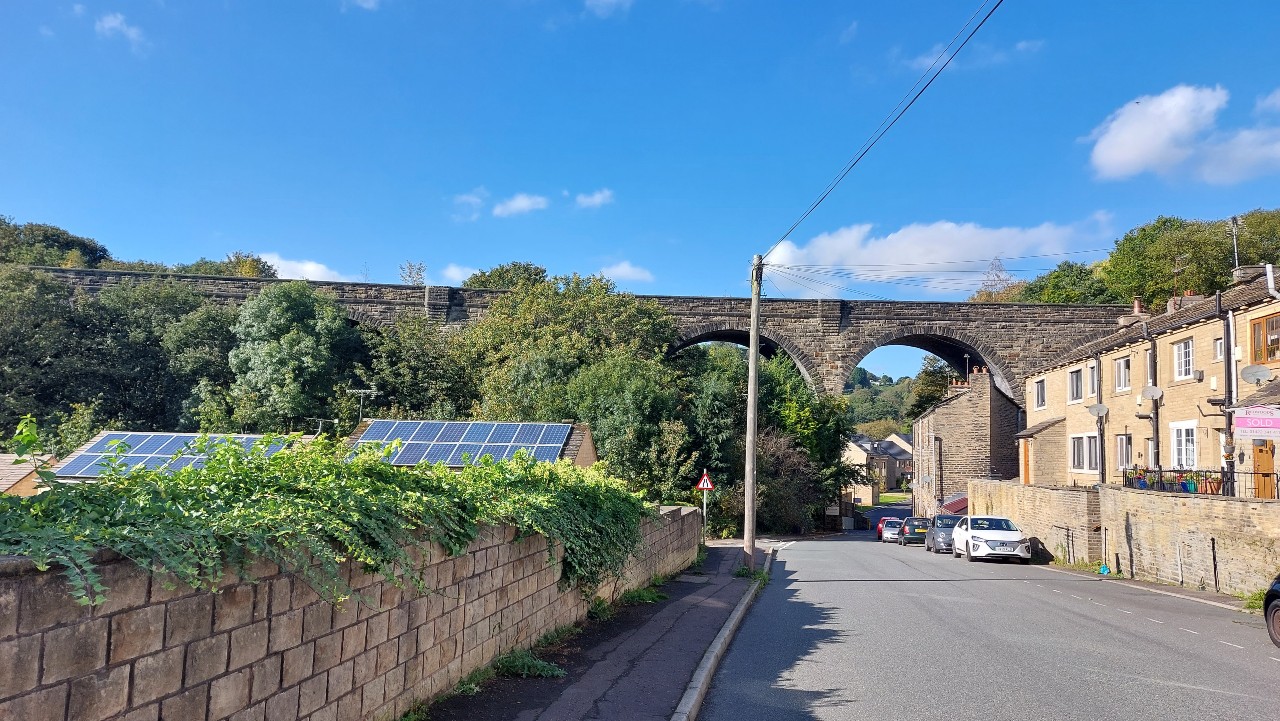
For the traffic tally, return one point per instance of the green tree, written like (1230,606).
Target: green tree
(295,346)
(39,244)
(1069,282)
(931,385)
(507,276)
(237,264)
(414,368)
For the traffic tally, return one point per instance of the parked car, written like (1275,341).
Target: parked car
(938,538)
(1271,609)
(989,537)
(891,531)
(880,526)
(913,530)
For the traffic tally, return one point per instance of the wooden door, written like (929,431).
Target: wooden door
(1264,468)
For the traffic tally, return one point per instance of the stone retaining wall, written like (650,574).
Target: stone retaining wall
(1179,538)
(1064,519)
(275,651)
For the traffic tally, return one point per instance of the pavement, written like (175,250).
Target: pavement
(635,666)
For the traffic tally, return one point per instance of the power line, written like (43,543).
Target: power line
(884,128)
(948,262)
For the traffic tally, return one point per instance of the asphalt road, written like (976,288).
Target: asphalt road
(849,628)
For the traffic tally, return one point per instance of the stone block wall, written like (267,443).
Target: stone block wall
(1064,519)
(274,650)
(1178,538)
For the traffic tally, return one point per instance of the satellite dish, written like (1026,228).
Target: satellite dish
(1255,374)
(1097,410)
(1152,393)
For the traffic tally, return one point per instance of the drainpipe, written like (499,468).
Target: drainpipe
(1229,390)
(1102,420)
(937,441)
(1152,369)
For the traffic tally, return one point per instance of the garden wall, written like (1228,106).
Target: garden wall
(1064,519)
(273,651)
(1181,538)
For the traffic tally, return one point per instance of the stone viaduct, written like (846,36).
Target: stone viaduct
(825,338)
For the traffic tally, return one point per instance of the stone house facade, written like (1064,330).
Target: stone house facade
(1192,353)
(968,434)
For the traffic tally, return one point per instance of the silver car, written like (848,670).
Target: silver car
(892,529)
(938,538)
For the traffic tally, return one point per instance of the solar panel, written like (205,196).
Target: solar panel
(449,441)
(149,450)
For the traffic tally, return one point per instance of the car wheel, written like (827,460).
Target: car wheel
(1024,561)
(967,555)
(955,552)
(1273,621)
(926,544)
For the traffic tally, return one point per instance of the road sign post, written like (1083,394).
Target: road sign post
(704,485)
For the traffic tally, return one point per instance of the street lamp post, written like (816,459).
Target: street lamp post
(966,366)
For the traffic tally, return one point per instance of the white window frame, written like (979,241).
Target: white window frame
(1087,446)
(1152,461)
(1219,349)
(1184,359)
(1041,393)
(1149,375)
(1182,444)
(1122,368)
(1075,385)
(1124,451)
(1092,388)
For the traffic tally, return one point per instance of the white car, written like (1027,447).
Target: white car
(892,531)
(989,537)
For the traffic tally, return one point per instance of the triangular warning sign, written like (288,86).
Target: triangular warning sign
(704,484)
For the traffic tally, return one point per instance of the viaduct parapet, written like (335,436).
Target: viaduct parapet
(826,338)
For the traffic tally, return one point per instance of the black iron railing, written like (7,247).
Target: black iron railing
(1236,484)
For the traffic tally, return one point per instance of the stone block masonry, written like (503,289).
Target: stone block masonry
(273,650)
(826,338)
(1065,520)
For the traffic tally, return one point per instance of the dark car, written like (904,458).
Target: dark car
(913,530)
(1271,609)
(938,538)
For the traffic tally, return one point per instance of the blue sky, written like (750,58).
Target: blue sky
(661,141)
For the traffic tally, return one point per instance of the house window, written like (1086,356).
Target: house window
(1040,394)
(1093,379)
(1122,374)
(1218,348)
(1084,453)
(1124,451)
(1075,386)
(1182,438)
(1265,336)
(1151,378)
(1183,363)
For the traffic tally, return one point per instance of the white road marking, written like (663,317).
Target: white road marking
(1121,610)
(1096,603)
(1229,644)
(1056,590)
(1188,630)
(1154,621)
(1039,585)
(1075,596)
(1273,658)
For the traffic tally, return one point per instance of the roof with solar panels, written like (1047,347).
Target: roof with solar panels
(152,450)
(460,443)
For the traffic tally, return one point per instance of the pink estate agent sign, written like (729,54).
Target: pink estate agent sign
(1257,422)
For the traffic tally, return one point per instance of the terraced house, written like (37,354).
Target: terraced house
(1152,405)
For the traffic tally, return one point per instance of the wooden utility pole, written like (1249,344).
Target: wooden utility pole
(753,392)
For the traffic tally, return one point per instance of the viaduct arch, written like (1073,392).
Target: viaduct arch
(826,338)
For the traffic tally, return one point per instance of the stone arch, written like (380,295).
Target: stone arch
(949,344)
(770,343)
(361,317)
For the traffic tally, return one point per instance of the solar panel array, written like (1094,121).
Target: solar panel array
(456,443)
(150,450)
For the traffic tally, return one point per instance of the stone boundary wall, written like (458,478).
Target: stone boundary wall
(1174,537)
(1064,519)
(274,651)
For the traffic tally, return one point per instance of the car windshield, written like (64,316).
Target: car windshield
(892,524)
(915,523)
(946,521)
(992,524)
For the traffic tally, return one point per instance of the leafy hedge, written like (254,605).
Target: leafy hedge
(312,507)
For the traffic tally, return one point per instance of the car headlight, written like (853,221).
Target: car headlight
(1024,540)
(976,539)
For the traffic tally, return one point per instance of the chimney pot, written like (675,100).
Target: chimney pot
(1137,304)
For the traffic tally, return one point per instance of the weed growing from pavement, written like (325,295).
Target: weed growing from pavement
(761,575)
(600,610)
(638,596)
(471,684)
(1253,601)
(702,557)
(524,664)
(557,637)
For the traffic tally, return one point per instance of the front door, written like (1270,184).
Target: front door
(1264,468)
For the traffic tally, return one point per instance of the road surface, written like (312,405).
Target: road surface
(849,628)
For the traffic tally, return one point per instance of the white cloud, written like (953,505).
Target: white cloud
(46,31)
(847,35)
(1155,133)
(113,25)
(302,269)
(362,4)
(454,274)
(606,8)
(466,206)
(626,271)
(938,257)
(77,9)
(1270,103)
(1176,133)
(603,196)
(519,204)
(977,55)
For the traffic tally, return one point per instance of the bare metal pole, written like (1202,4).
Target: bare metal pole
(753,392)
